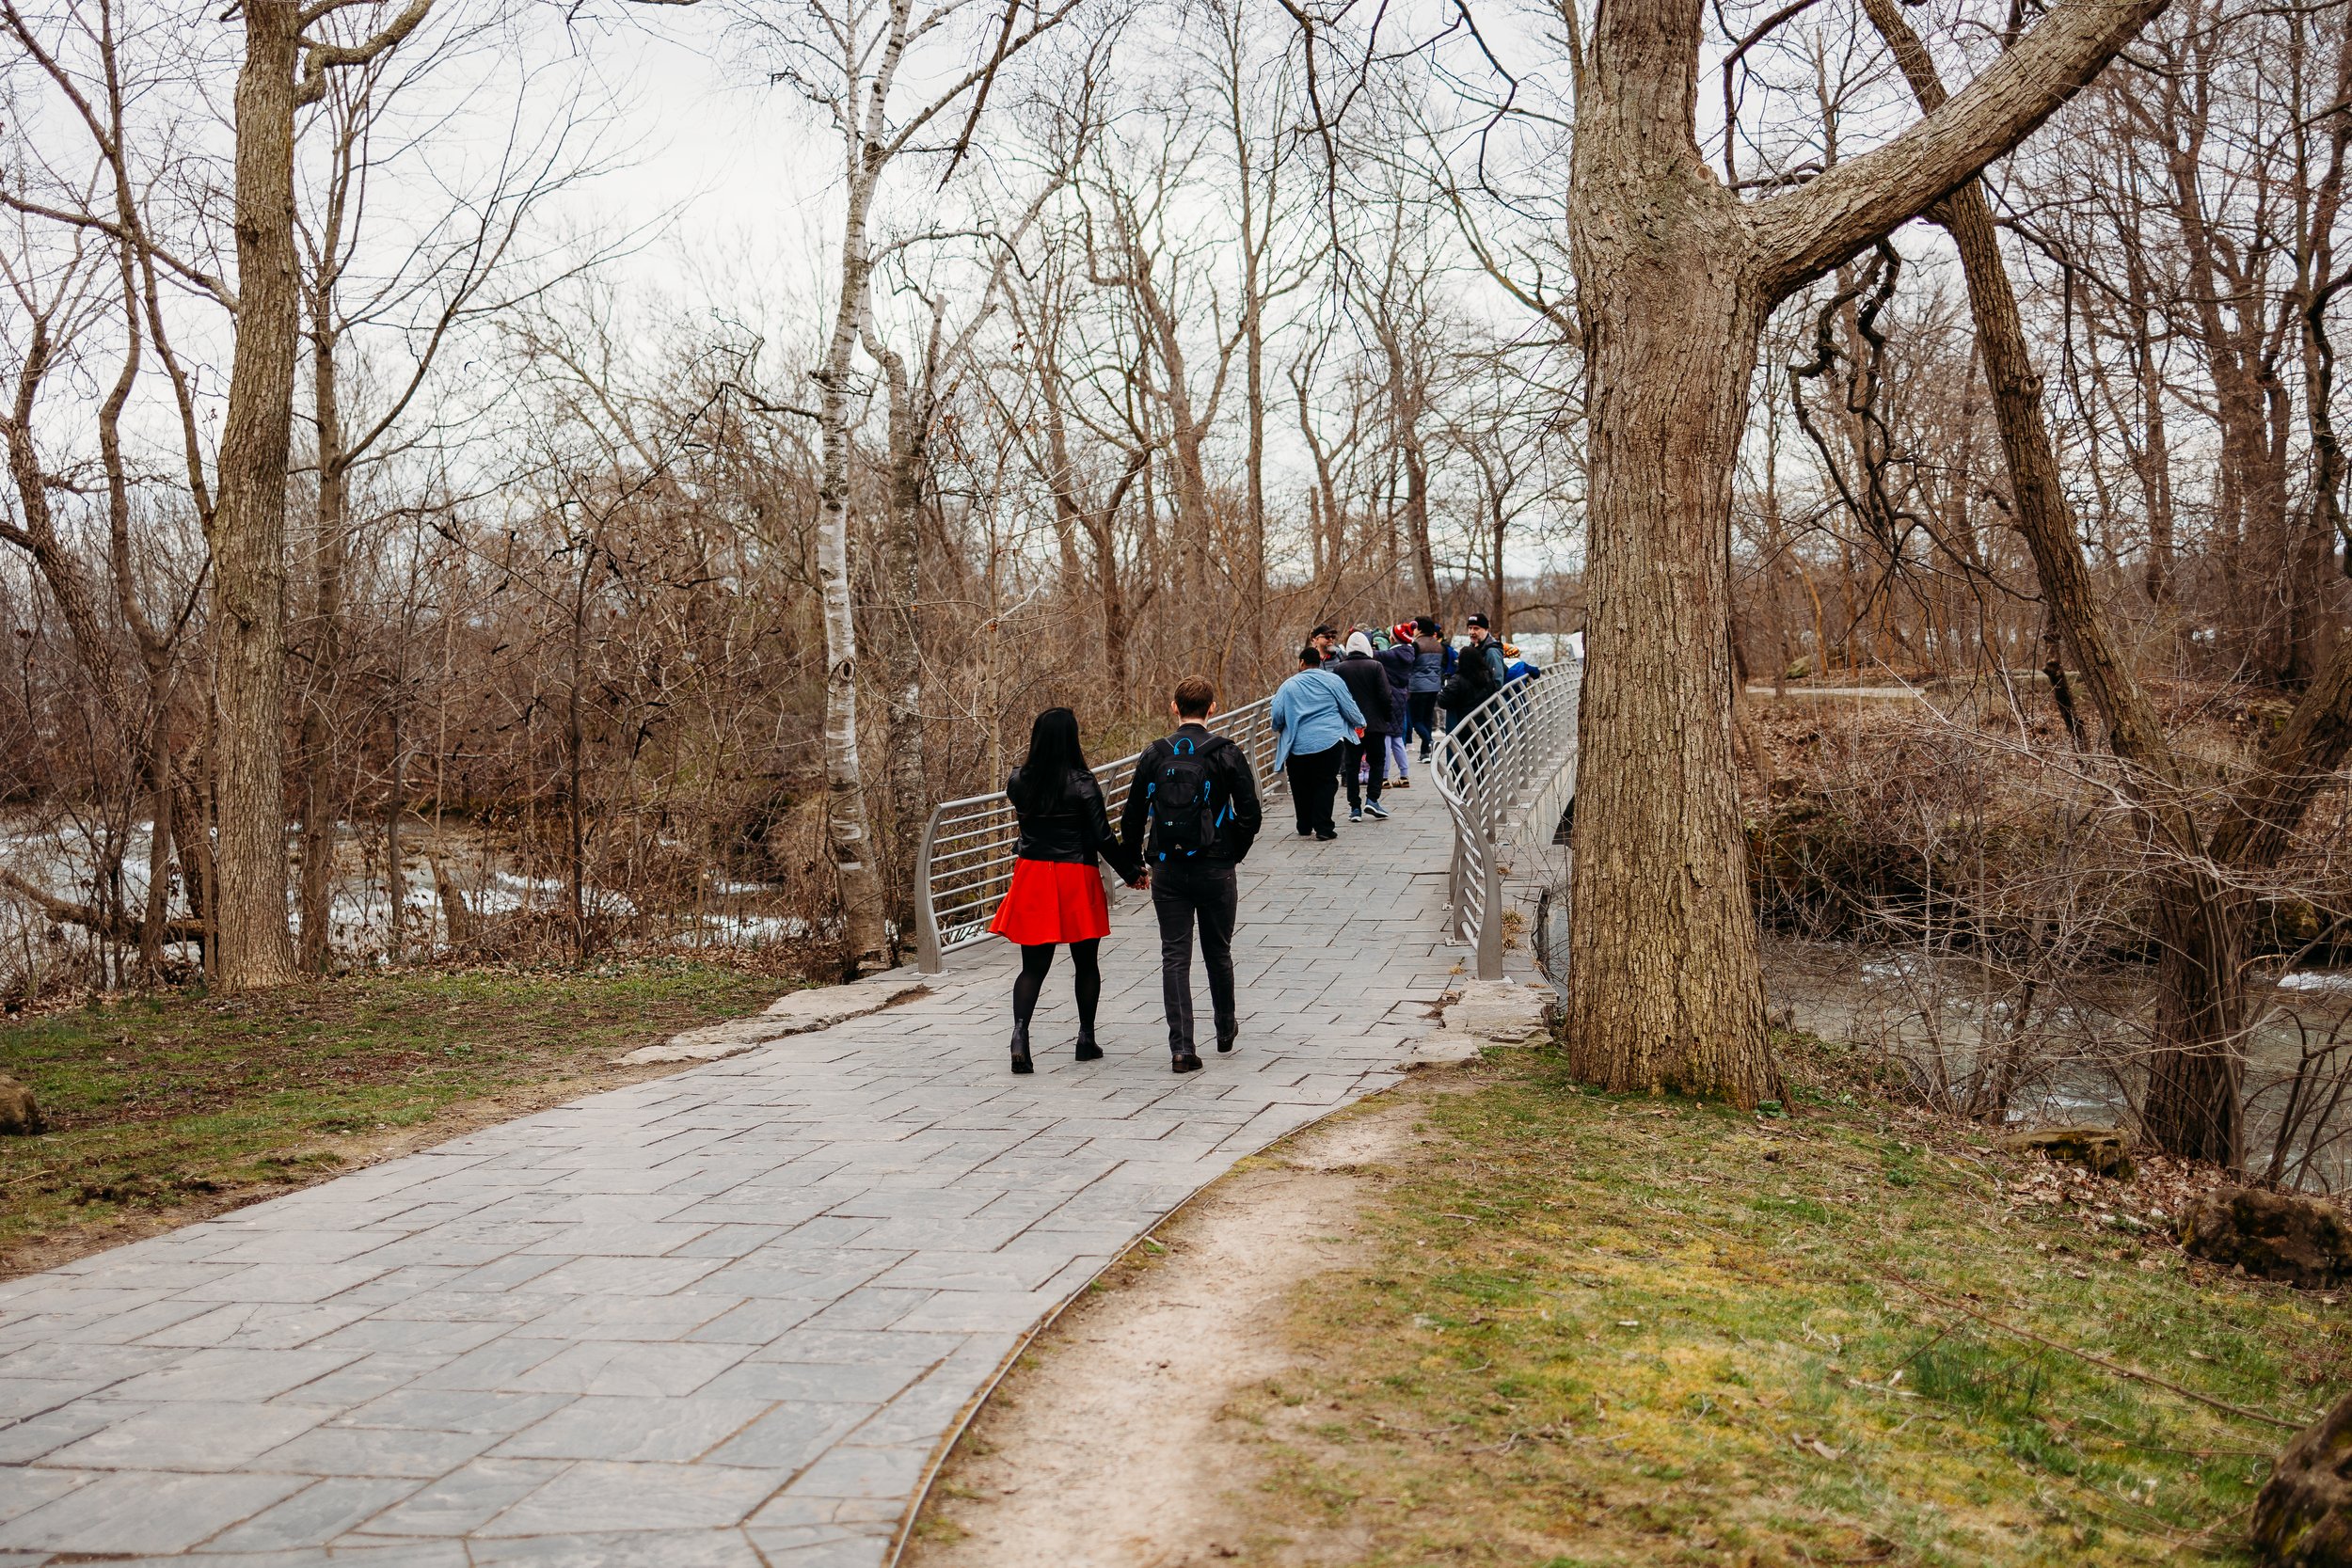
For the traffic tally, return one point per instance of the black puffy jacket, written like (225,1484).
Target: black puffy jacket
(1074,828)
(1368,682)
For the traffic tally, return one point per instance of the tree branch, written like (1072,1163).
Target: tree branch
(1803,234)
(318,58)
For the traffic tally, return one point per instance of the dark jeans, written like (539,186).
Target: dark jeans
(1180,895)
(1314,781)
(1372,754)
(1423,720)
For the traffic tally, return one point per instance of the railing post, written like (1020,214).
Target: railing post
(1490,918)
(927,958)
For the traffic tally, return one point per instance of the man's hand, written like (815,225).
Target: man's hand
(1143,879)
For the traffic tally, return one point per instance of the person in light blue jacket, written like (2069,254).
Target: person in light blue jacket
(1314,716)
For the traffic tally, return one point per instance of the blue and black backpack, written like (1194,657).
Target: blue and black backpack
(1188,811)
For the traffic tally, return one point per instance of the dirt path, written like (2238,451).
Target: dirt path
(1112,1445)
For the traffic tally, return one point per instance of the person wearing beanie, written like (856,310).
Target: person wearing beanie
(1368,682)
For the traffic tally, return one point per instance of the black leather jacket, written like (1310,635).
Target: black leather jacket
(1074,828)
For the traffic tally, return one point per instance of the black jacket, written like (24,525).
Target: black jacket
(1368,682)
(1229,765)
(1074,828)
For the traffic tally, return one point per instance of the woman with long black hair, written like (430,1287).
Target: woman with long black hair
(1056,894)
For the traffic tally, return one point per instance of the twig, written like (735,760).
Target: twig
(2100,1361)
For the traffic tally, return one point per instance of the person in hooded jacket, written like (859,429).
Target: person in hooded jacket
(1398,659)
(1056,895)
(1433,661)
(1368,752)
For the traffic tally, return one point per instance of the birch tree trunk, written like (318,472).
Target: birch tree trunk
(846,822)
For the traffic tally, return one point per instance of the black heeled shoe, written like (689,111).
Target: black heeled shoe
(1021,1062)
(1088,1049)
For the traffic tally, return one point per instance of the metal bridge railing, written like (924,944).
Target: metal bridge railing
(965,862)
(1506,773)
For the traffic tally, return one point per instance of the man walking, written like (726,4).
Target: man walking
(1314,717)
(1195,798)
(1433,661)
(1479,673)
(1367,681)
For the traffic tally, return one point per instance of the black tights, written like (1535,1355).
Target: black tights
(1036,961)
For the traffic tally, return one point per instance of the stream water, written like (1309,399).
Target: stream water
(2078,1042)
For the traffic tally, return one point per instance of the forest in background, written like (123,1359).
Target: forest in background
(418,540)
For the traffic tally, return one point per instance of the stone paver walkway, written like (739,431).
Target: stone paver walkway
(721,1317)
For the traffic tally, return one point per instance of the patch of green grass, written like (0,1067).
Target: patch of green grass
(158,1101)
(1609,1330)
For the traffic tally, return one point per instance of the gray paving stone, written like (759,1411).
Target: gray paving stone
(454,1410)
(188,1436)
(715,1548)
(847,1470)
(233,1374)
(22,1491)
(821,1546)
(374,1451)
(791,1435)
(413,1554)
(596,1497)
(623,1368)
(312,1517)
(633,1428)
(133,1511)
(465,1499)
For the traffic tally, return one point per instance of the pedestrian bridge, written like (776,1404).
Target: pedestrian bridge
(736,1315)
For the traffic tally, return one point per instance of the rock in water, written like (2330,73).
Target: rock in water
(2099,1149)
(2276,1235)
(19,1112)
(2303,1518)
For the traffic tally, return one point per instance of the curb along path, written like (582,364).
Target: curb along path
(726,1317)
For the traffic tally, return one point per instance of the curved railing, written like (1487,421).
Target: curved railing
(1507,772)
(965,862)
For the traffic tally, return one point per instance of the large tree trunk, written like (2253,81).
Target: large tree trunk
(248,524)
(867,947)
(1674,279)
(1666,988)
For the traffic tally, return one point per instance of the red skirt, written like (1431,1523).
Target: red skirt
(1053,901)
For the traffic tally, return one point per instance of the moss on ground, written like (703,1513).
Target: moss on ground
(1611,1330)
(167,1106)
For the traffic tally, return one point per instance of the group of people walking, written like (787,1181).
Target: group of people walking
(1192,812)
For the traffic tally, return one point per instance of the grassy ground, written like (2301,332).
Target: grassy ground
(1609,1330)
(165,1108)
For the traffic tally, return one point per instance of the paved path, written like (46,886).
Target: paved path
(720,1317)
